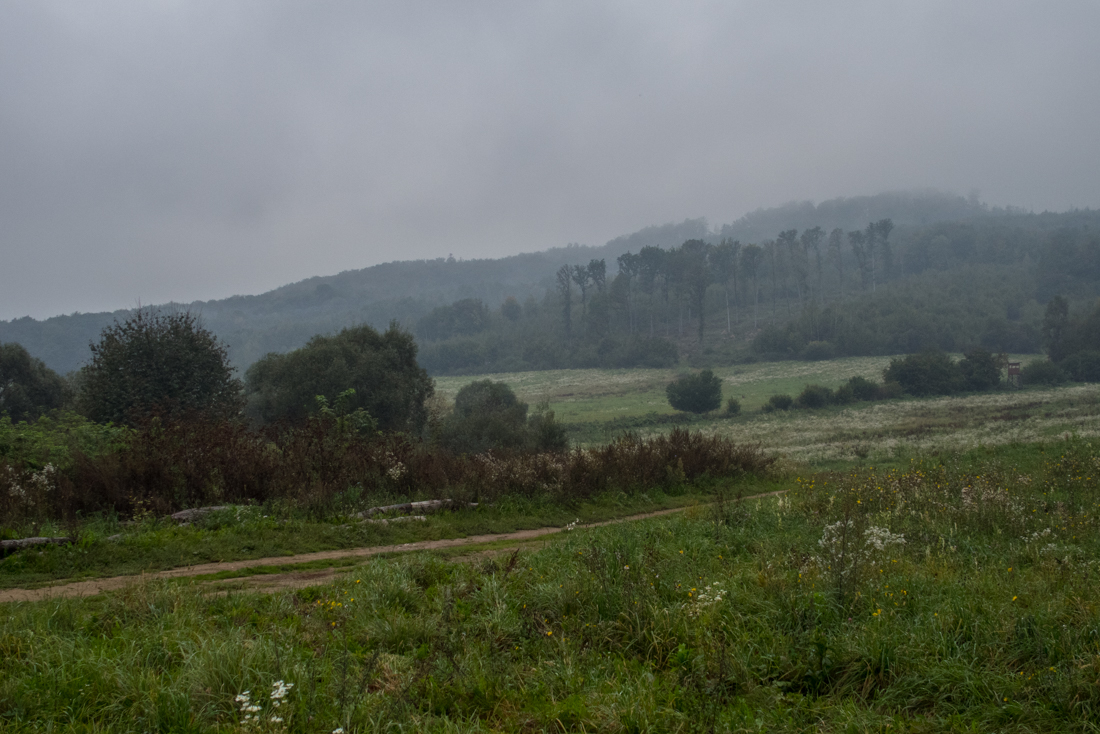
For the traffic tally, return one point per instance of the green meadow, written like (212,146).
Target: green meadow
(931,565)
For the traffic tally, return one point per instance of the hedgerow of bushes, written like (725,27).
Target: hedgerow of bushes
(928,373)
(163,467)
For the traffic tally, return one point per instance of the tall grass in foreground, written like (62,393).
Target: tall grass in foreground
(967,599)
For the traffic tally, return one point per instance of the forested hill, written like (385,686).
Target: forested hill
(285,318)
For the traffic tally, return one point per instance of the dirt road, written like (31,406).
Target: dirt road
(273,582)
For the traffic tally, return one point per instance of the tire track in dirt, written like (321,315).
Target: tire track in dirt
(299,579)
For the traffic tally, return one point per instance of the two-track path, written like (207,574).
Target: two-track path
(92,587)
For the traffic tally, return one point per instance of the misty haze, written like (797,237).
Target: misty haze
(537,367)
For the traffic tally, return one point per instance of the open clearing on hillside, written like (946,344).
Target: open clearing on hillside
(593,404)
(578,396)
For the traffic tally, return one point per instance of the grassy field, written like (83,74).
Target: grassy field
(948,596)
(587,396)
(934,566)
(595,409)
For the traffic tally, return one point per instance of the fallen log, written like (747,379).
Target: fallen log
(404,518)
(194,514)
(425,506)
(22,543)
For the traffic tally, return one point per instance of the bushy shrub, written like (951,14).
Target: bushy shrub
(1082,366)
(928,373)
(164,467)
(547,434)
(733,406)
(778,402)
(843,395)
(814,396)
(1042,372)
(380,367)
(488,416)
(981,370)
(162,363)
(699,393)
(864,389)
(28,388)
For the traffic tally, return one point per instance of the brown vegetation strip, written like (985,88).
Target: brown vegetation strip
(93,587)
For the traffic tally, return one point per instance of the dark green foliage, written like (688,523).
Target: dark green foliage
(818,351)
(380,368)
(778,402)
(1042,372)
(487,415)
(157,363)
(864,389)
(342,419)
(779,342)
(1055,328)
(511,309)
(733,406)
(1083,366)
(815,396)
(929,373)
(981,370)
(462,318)
(547,434)
(28,388)
(699,393)
(843,395)
(538,350)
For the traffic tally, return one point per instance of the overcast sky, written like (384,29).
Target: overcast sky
(182,150)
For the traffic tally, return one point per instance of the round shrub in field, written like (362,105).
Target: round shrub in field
(699,393)
(864,389)
(929,373)
(843,395)
(980,370)
(488,415)
(815,396)
(1042,372)
(733,406)
(778,402)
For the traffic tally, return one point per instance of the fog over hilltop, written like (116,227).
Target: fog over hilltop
(179,151)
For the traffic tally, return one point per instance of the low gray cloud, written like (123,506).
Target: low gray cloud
(193,150)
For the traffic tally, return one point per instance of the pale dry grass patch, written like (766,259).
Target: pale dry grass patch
(890,428)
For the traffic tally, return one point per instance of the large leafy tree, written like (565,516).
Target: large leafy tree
(28,387)
(380,367)
(158,363)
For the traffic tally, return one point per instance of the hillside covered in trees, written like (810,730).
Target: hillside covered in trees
(885,274)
